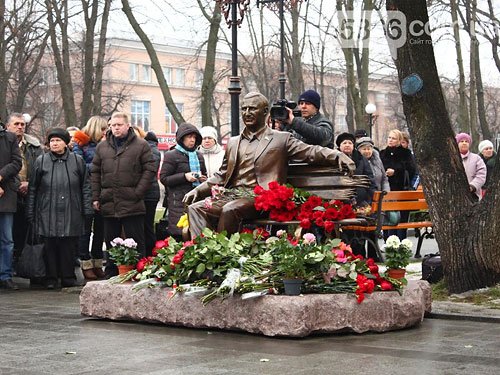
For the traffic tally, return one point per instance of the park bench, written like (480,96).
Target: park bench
(384,201)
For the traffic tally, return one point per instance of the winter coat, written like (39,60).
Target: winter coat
(172,175)
(475,169)
(380,178)
(121,176)
(10,165)
(84,147)
(59,195)
(316,130)
(490,164)
(153,194)
(400,159)
(364,196)
(213,158)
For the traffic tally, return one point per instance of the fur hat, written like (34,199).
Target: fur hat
(59,133)
(310,96)
(208,131)
(345,136)
(363,141)
(484,144)
(463,136)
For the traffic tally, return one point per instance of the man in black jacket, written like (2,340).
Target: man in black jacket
(122,172)
(10,164)
(312,128)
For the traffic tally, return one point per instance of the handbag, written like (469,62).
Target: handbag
(432,268)
(406,181)
(31,263)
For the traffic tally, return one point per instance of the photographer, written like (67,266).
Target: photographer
(183,169)
(312,128)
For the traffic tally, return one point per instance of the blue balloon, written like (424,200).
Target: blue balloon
(412,84)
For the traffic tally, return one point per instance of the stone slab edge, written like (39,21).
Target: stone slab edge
(273,315)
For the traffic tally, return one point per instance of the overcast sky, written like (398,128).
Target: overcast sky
(181,22)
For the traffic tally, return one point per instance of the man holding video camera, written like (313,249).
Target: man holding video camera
(312,128)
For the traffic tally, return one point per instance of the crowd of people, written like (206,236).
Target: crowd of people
(101,182)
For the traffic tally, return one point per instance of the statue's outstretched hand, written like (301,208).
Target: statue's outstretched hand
(346,162)
(190,197)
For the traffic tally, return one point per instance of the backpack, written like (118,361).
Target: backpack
(432,269)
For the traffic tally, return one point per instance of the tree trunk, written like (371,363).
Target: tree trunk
(61,56)
(471,20)
(467,232)
(481,109)
(88,59)
(463,109)
(208,84)
(101,53)
(155,63)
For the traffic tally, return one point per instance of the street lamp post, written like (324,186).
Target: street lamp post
(370,109)
(234,21)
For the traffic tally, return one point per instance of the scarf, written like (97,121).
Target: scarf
(194,163)
(215,149)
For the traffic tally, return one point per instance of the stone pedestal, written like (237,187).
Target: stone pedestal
(273,315)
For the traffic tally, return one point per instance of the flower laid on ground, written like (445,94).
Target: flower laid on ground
(255,263)
(397,253)
(124,251)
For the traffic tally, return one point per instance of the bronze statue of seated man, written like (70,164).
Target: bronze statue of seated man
(257,156)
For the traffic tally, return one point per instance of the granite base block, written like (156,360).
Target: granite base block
(272,315)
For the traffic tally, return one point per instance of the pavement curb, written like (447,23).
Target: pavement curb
(462,317)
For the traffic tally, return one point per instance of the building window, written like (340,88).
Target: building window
(141,114)
(199,78)
(133,70)
(146,73)
(170,124)
(167,72)
(180,77)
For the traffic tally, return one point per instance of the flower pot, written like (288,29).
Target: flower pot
(292,286)
(396,273)
(123,269)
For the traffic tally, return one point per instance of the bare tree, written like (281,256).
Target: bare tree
(22,45)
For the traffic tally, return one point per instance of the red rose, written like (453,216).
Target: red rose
(258,190)
(373,269)
(385,285)
(246,230)
(305,223)
(320,222)
(141,264)
(329,226)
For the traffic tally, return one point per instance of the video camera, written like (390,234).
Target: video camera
(278,110)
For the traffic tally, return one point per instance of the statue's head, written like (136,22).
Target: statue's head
(254,111)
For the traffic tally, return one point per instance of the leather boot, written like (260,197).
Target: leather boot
(98,269)
(88,270)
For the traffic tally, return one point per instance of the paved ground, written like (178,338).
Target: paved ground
(43,333)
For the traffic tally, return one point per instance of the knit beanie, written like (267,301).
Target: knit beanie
(484,144)
(345,136)
(363,141)
(208,131)
(310,96)
(59,133)
(360,133)
(463,136)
